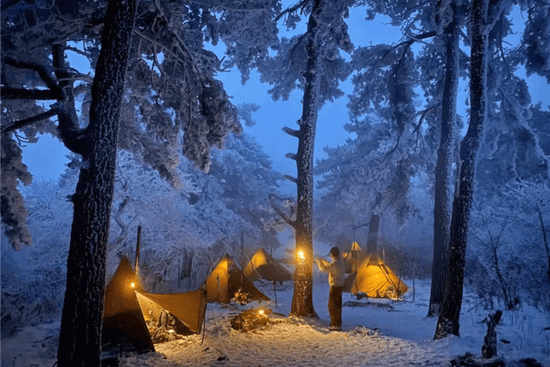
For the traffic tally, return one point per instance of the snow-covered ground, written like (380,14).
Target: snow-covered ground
(378,333)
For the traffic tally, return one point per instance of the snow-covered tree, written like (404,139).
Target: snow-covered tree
(533,198)
(312,62)
(361,171)
(489,85)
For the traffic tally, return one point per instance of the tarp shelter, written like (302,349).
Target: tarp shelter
(262,265)
(188,309)
(353,257)
(375,279)
(227,279)
(128,307)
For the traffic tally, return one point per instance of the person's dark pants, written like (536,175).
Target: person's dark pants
(335,306)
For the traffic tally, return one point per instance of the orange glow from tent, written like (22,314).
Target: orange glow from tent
(224,264)
(132,285)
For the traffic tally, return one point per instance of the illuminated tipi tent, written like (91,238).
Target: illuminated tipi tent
(262,265)
(227,279)
(375,279)
(128,307)
(353,257)
(123,319)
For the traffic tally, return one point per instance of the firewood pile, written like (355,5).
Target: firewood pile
(241,297)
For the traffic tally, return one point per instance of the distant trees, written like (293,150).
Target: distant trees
(532,196)
(509,238)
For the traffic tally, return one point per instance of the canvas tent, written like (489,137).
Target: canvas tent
(226,279)
(262,265)
(123,321)
(375,279)
(353,257)
(128,307)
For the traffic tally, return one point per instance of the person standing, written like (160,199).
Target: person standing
(336,276)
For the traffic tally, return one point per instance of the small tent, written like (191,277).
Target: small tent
(262,265)
(128,307)
(122,319)
(353,257)
(375,279)
(227,279)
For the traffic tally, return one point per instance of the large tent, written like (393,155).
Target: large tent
(262,265)
(227,279)
(353,257)
(127,307)
(375,279)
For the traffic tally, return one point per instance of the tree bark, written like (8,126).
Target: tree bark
(81,321)
(545,241)
(302,299)
(449,319)
(442,210)
(374,225)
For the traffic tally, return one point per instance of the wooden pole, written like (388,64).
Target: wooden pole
(136,266)
(275,293)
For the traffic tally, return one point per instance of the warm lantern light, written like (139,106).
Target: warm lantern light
(171,331)
(132,285)
(261,312)
(301,255)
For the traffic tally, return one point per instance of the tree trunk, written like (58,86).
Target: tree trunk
(545,241)
(448,322)
(374,225)
(442,210)
(302,300)
(81,321)
(507,301)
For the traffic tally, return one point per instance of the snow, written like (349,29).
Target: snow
(381,333)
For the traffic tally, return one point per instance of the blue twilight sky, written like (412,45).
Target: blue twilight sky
(46,159)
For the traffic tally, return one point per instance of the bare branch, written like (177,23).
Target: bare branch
(291,132)
(42,71)
(22,123)
(279,211)
(290,178)
(424,113)
(292,9)
(291,156)
(221,5)
(37,94)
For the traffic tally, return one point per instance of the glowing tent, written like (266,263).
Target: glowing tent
(122,319)
(227,279)
(262,265)
(128,307)
(353,258)
(375,279)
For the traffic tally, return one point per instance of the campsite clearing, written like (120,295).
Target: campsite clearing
(372,336)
